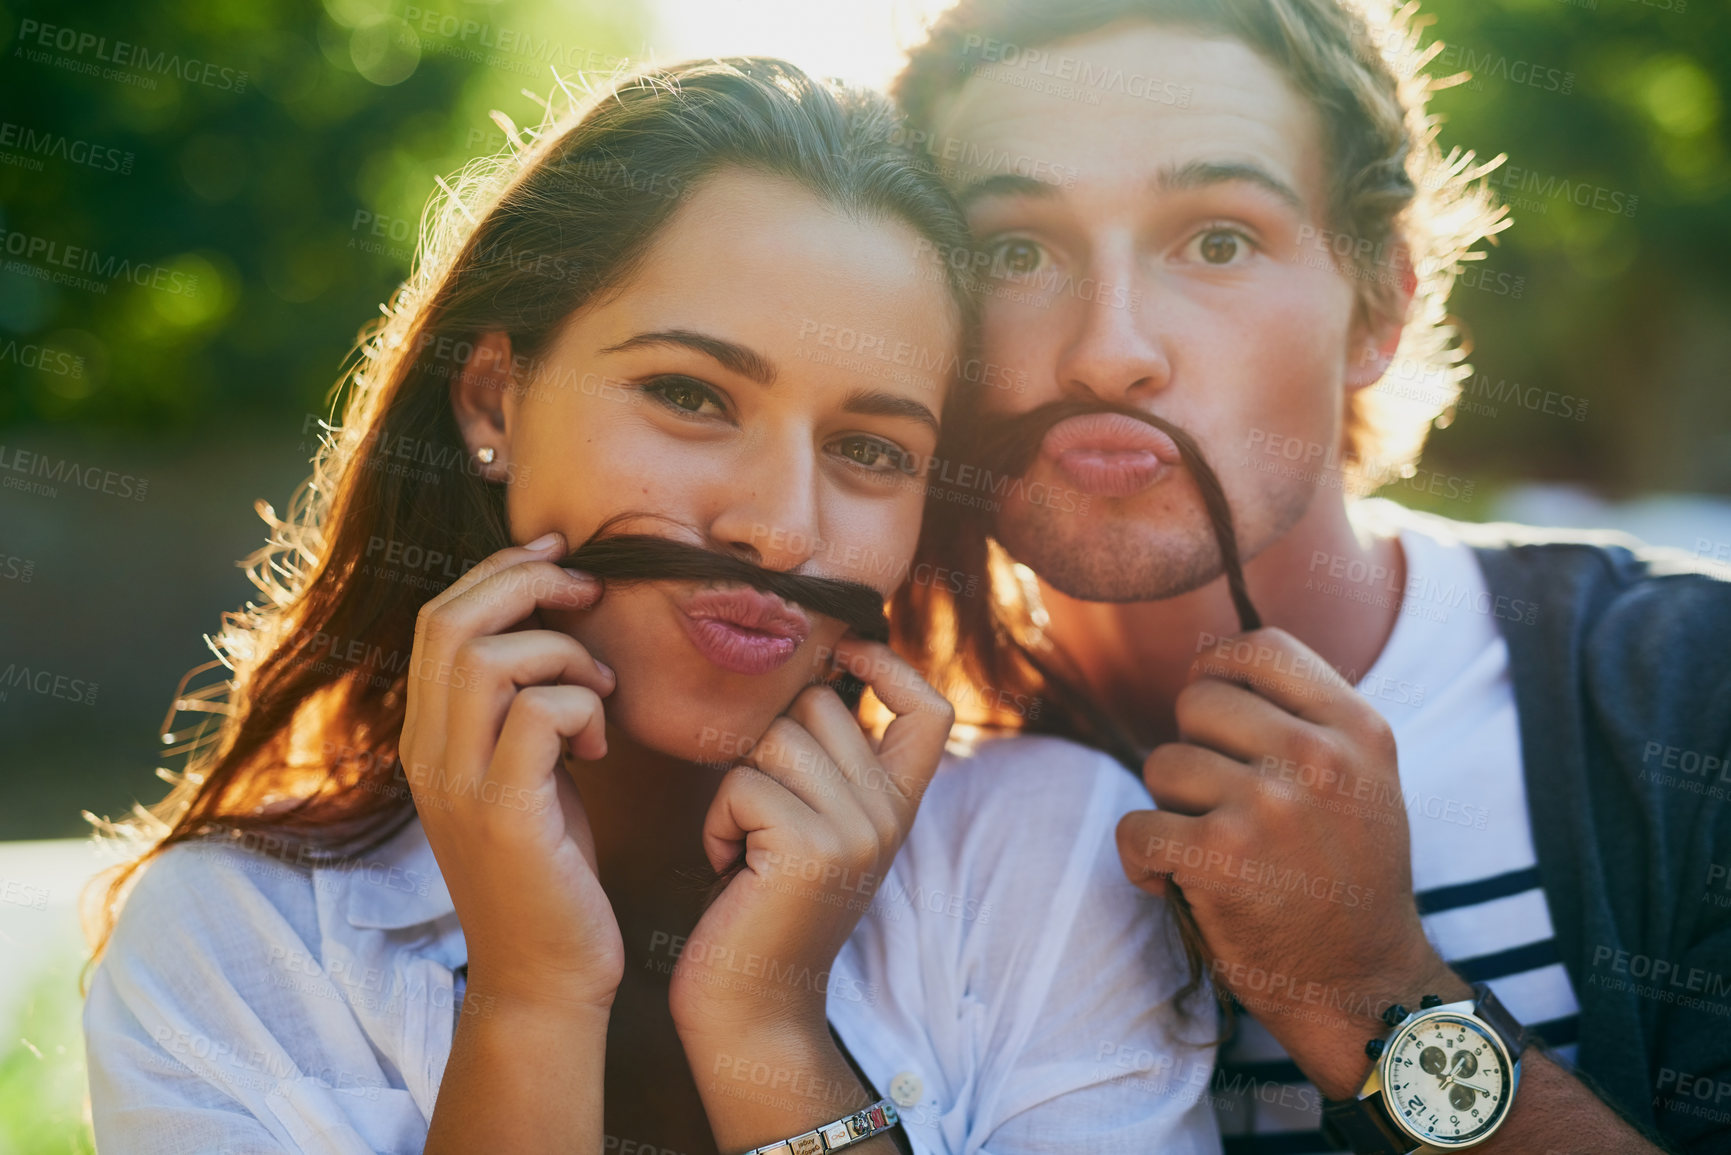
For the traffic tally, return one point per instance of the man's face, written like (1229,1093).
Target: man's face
(1160,250)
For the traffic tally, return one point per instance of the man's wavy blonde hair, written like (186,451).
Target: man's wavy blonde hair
(1362,64)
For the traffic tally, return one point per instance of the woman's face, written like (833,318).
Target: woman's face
(766,384)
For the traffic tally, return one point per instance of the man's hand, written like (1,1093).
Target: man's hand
(1282,819)
(1284,822)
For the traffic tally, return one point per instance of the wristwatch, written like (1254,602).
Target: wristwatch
(1444,1079)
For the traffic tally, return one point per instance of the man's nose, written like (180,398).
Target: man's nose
(768,514)
(1113,350)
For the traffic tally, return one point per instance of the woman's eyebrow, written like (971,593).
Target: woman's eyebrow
(876,403)
(747,362)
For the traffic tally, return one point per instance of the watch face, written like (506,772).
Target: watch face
(1447,1080)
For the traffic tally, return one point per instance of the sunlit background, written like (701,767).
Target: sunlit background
(275,197)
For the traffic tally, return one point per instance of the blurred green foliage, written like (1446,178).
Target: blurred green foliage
(1612,113)
(291,203)
(277,152)
(42,1069)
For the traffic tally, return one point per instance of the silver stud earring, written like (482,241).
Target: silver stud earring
(486,454)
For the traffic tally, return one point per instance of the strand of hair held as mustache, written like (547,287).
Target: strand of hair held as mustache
(624,558)
(1008,446)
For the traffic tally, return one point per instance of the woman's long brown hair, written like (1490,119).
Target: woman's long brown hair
(623,558)
(991,639)
(295,734)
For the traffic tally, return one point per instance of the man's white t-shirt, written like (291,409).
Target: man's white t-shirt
(1007,986)
(1442,683)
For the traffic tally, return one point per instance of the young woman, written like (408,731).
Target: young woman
(520,862)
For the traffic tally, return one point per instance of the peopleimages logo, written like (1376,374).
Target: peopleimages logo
(42,358)
(31,465)
(47,254)
(46,683)
(32,143)
(33,35)
(1536,188)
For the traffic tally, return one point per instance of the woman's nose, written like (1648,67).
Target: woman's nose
(769,515)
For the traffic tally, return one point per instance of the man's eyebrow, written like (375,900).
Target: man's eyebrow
(1198,174)
(1005,184)
(737,358)
(877,403)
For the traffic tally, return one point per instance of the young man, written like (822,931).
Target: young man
(1232,214)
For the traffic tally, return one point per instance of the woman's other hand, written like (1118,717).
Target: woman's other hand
(819,812)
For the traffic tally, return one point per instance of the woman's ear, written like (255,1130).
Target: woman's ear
(479,396)
(1381,320)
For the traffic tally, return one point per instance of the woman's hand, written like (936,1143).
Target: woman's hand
(819,814)
(489,712)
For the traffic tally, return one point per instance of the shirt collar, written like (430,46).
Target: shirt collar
(396,886)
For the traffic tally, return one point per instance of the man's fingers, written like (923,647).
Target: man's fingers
(1286,672)
(1151,846)
(1329,724)
(1233,720)
(1188,779)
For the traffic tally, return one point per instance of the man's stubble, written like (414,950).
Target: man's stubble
(1124,558)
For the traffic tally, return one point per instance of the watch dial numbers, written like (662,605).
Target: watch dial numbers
(1459,1087)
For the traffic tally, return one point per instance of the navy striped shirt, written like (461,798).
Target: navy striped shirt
(1442,683)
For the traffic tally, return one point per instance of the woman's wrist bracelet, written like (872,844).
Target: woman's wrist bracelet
(844,1132)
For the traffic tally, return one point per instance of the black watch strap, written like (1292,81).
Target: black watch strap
(1498,1019)
(1363,1127)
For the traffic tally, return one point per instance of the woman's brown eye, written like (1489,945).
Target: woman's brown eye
(874,454)
(682,393)
(1018,257)
(1220,247)
(684,396)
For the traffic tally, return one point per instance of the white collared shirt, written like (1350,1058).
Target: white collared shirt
(1007,985)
